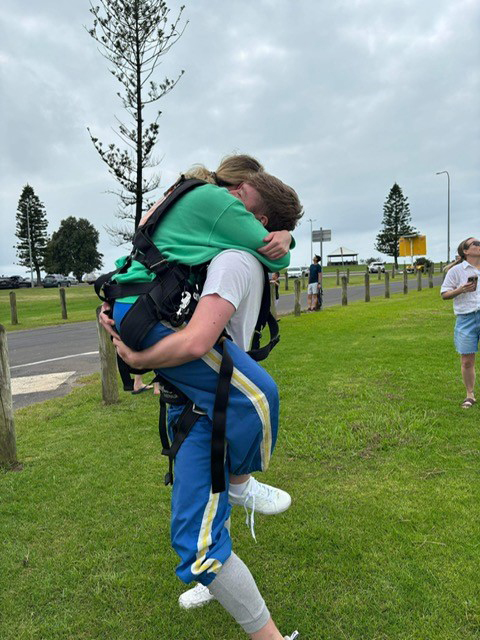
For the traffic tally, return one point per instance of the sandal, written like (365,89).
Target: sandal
(146,387)
(468,403)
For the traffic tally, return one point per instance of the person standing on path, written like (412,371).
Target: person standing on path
(314,283)
(461,284)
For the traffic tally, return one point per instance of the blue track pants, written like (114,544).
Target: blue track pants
(199,535)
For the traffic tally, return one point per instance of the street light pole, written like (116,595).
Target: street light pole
(448,215)
(311,238)
(29,200)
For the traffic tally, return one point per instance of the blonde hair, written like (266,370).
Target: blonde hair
(231,171)
(460,254)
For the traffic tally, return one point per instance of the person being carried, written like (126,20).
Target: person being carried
(461,285)
(230,296)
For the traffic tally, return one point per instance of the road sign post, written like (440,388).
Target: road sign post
(321,236)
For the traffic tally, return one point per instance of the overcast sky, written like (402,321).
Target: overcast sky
(338,98)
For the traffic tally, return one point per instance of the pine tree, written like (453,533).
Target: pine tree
(73,248)
(396,223)
(37,224)
(133,35)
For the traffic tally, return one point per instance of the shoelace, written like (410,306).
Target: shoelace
(251,515)
(255,488)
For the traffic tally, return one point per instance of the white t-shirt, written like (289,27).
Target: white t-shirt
(237,276)
(456,277)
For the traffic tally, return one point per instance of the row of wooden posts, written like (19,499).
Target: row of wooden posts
(339,273)
(108,360)
(344,284)
(108,368)
(13,306)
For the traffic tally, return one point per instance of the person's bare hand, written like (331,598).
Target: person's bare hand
(131,357)
(105,320)
(277,245)
(468,287)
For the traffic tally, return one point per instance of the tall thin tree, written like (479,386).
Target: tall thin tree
(396,223)
(31,231)
(134,35)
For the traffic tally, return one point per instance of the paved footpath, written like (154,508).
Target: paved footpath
(45,363)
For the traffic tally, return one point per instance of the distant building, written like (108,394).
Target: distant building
(342,256)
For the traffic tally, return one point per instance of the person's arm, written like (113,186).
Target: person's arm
(468,287)
(320,276)
(194,341)
(451,288)
(237,228)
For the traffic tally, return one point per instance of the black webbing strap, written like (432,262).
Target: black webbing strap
(220,420)
(260,353)
(113,291)
(181,429)
(264,317)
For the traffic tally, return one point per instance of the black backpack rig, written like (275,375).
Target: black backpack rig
(172,297)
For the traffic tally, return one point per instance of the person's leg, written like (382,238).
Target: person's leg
(468,374)
(309,301)
(235,588)
(466,336)
(314,302)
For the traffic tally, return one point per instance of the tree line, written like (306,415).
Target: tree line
(70,249)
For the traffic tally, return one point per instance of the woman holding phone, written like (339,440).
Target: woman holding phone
(461,285)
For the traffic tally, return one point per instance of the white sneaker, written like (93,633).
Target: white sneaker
(262,498)
(294,635)
(196,597)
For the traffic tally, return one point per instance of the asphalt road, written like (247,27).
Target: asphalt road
(45,363)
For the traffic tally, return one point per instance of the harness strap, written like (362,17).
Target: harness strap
(181,429)
(220,420)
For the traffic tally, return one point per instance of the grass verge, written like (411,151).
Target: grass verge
(381,541)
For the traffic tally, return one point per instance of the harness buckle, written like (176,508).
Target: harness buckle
(198,411)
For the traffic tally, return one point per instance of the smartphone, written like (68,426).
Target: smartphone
(472,278)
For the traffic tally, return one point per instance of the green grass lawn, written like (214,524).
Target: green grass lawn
(40,307)
(381,541)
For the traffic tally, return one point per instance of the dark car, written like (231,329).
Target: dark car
(20,281)
(55,280)
(6,283)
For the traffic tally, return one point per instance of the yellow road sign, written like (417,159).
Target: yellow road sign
(412,246)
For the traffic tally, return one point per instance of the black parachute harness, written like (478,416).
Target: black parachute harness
(171,297)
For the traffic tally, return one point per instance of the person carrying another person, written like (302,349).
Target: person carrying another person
(461,284)
(201,227)
(314,283)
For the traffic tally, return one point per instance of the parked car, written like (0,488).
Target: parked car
(72,279)
(294,272)
(55,280)
(375,267)
(90,278)
(6,283)
(20,281)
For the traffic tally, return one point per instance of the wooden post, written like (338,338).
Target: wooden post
(303,282)
(63,303)
(441,267)
(344,291)
(393,271)
(108,365)
(338,277)
(430,278)
(8,444)
(387,284)
(297,309)
(405,280)
(13,308)
(273,307)
(379,273)
(367,287)
(419,280)
(348,276)
(286,281)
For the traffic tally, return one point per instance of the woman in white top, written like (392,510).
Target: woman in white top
(461,284)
